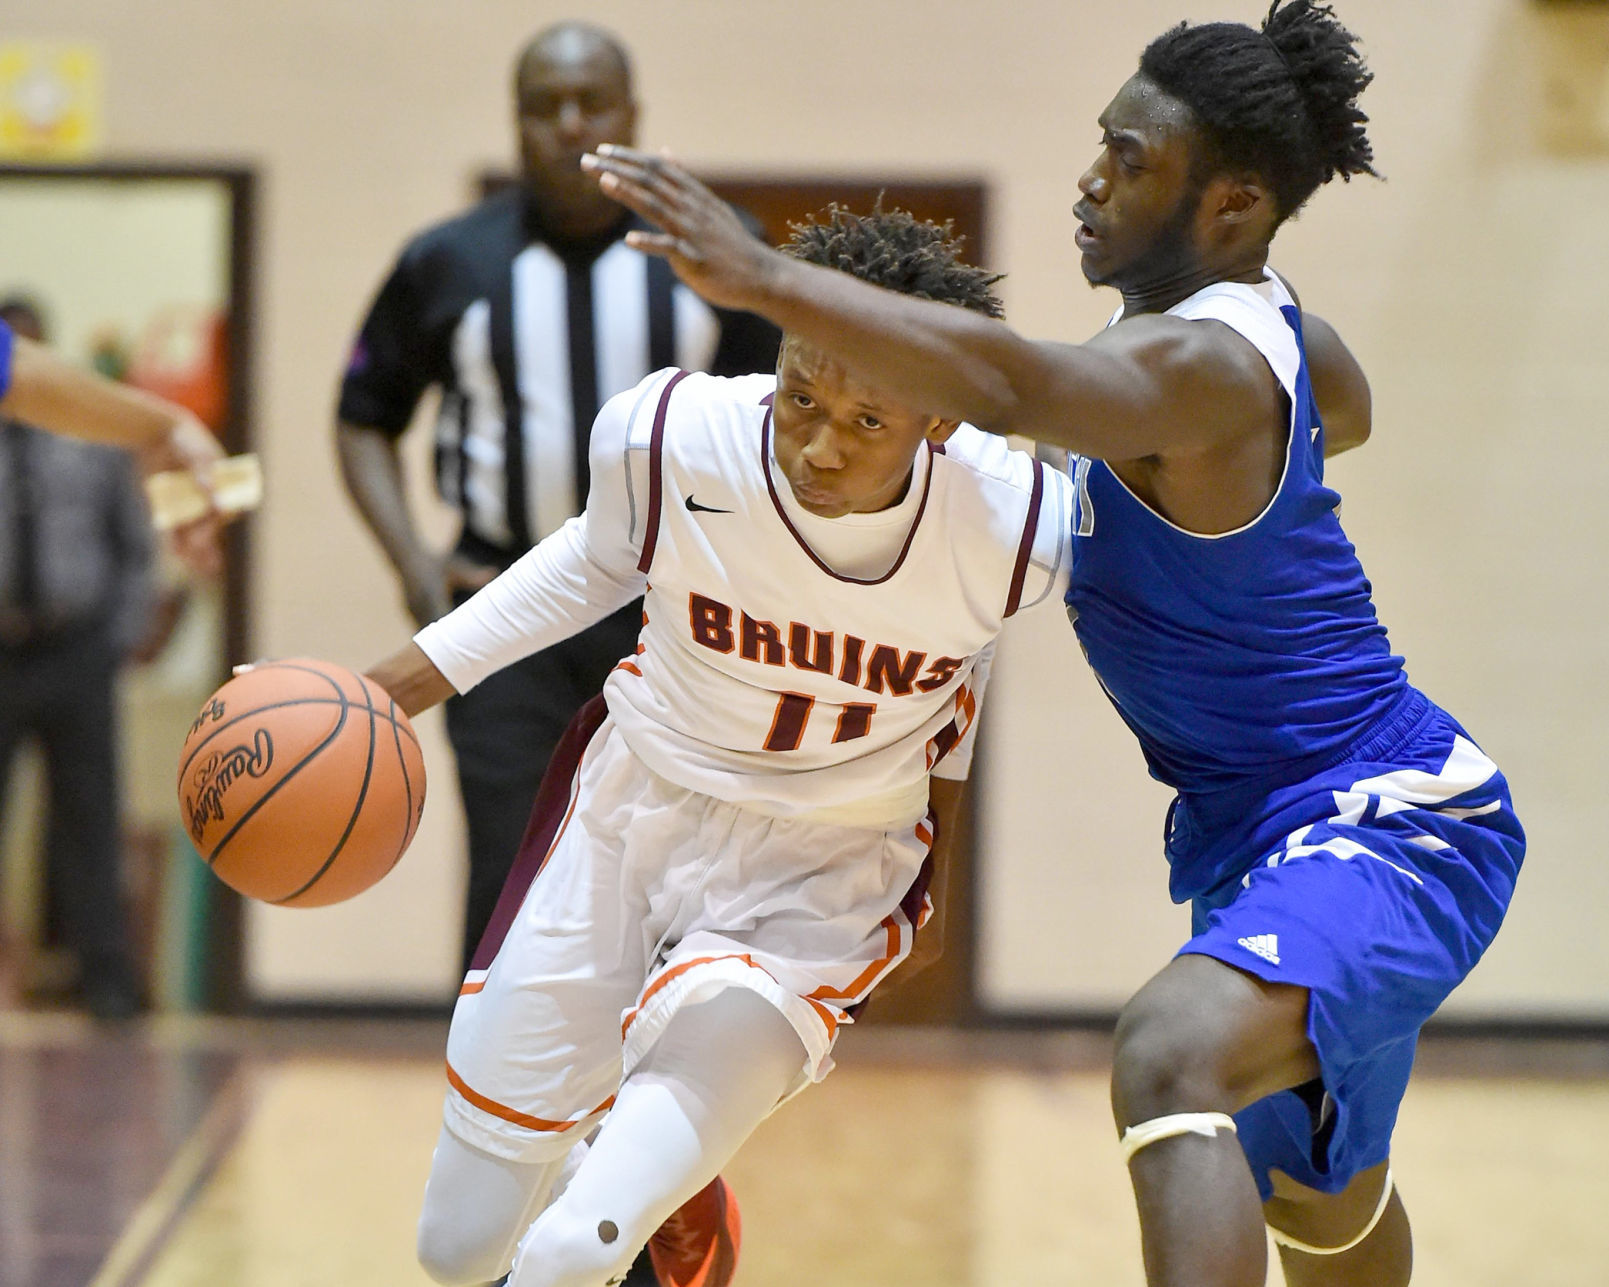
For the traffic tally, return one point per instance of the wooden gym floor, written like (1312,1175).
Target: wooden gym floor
(179,1153)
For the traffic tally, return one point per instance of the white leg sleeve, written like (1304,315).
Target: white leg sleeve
(476,1209)
(720,1067)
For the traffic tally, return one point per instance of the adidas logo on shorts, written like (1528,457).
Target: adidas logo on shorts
(1263,945)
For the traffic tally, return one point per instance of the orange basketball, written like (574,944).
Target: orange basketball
(301,783)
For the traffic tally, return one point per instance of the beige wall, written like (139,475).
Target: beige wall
(1471,285)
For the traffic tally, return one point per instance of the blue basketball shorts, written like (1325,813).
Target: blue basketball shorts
(1380,884)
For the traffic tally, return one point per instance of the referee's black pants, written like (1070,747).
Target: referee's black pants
(503,733)
(60,690)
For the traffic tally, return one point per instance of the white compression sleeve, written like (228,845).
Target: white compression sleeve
(476,1209)
(717,1072)
(577,576)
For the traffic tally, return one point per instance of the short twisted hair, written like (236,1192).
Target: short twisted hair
(1280,102)
(893,248)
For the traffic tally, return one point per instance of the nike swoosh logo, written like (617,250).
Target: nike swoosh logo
(693,507)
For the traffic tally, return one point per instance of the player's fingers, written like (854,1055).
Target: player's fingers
(640,178)
(647,203)
(627,155)
(651,243)
(640,169)
(659,169)
(663,244)
(651,173)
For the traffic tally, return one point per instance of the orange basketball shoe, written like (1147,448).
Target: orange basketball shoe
(697,1246)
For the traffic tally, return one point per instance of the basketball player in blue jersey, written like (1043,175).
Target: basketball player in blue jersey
(1348,849)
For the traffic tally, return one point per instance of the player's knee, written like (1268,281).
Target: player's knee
(1168,1058)
(453,1257)
(570,1248)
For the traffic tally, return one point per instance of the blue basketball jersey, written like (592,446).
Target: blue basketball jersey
(5,358)
(1243,661)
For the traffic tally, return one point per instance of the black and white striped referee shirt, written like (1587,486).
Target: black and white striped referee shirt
(527,336)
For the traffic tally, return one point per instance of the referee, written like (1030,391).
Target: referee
(528,311)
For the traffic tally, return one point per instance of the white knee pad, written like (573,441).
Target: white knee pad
(476,1208)
(1164,1128)
(570,1248)
(456,1256)
(1285,1240)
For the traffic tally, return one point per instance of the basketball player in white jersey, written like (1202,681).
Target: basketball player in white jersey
(735,842)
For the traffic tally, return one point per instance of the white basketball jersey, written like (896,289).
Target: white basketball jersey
(764,677)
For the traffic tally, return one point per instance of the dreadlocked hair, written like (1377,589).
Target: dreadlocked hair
(895,249)
(1280,102)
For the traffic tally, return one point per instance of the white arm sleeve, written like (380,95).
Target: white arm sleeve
(577,576)
(957,765)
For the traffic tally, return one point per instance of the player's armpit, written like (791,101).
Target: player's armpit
(1340,388)
(412,680)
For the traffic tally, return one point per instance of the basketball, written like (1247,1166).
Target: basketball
(301,783)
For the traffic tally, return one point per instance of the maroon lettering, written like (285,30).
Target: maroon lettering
(758,637)
(788,725)
(889,671)
(944,741)
(799,651)
(711,622)
(940,671)
(849,672)
(855,721)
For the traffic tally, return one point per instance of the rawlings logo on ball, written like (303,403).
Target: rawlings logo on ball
(219,773)
(213,710)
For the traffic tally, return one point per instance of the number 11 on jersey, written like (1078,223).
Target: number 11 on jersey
(793,713)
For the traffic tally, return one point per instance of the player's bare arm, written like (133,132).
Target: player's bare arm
(1340,387)
(1149,386)
(412,680)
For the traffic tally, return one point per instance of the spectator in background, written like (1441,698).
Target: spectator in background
(76,580)
(528,312)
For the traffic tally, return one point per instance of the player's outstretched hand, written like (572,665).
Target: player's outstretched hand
(704,240)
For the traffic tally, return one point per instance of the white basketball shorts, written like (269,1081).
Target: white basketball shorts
(633,897)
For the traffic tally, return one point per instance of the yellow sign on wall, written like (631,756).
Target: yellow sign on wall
(50,101)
